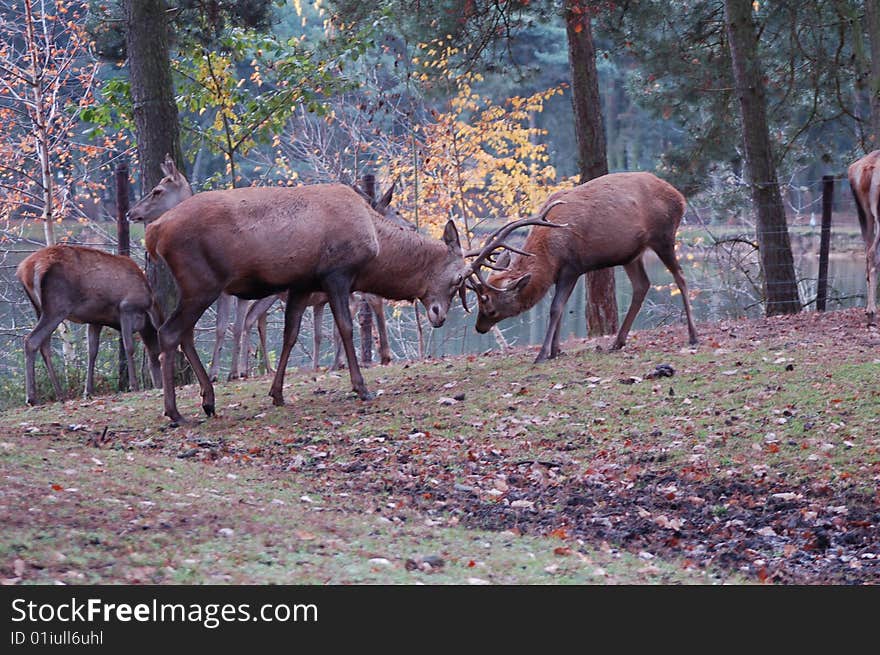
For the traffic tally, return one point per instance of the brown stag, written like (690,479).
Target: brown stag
(318,301)
(864,180)
(254,242)
(608,221)
(173,189)
(85,285)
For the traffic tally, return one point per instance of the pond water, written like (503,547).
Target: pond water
(717,292)
(710,301)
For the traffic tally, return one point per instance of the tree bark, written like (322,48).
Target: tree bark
(592,156)
(872,25)
(780,284)
(156,122)
(39,119)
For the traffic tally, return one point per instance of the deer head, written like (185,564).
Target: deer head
(500,296)
(171,191)
(448,278)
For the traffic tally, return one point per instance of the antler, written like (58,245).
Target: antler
(496,241)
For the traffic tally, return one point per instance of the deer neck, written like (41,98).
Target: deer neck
(403,268)
(543,268)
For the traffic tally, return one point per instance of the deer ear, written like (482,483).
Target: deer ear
(503,260)
(385,200)
(450,238)
(520,284)
(167,166)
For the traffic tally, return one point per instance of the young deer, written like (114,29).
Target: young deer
(608,221)
(89,286)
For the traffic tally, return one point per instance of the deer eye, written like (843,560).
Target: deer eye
(157,191)
(484,298)
(458,279)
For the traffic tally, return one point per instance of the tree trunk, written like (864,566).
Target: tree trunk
(592,157)
(156,124)
(39,119)
(780,285)
(872,25)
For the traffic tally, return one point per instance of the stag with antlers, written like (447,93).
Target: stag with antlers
(608,221)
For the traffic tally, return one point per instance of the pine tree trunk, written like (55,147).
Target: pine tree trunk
(592,157)
(156,123)
(780,284)
(872,25)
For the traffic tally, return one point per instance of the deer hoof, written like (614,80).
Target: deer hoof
(176,420)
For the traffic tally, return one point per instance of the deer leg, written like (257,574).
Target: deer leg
(223,305)
(365,323)
(640,285)
(151,345)
(293,313)
(318,311)
(94,338)
(381,327)
(871,257)
(564,286)
(46,353)
(38,339)
(354,306)
(238,335)
(257,314)
(667,256)
(338,288)
(188,345)
(339,348)
(171,335)
(261,331)
(126,321)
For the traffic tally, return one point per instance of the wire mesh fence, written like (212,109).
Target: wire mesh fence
(717,248)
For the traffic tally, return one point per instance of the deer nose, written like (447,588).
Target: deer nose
(436,316)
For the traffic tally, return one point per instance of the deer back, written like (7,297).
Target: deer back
(253,241)
(92,283)
(611,219)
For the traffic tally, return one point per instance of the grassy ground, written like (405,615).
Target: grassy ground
(758,459)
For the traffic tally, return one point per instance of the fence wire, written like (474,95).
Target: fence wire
(717,248)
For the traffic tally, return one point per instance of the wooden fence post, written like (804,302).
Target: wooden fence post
(123,248)
(825,242)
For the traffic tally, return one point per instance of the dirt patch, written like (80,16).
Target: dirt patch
(776,534)
(756,454)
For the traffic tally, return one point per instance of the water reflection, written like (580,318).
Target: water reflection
(713,299)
